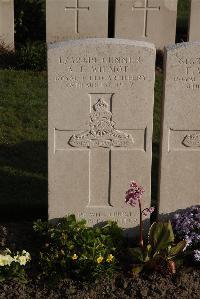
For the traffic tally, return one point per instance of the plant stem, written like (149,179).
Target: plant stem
(141,226)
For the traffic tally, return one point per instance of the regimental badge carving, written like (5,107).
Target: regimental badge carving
(192,140)
(102,132)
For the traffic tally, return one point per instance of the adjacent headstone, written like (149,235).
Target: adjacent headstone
(194,31)
(7,24)
(149,20)
(180,157)
(75,19)
(100,127)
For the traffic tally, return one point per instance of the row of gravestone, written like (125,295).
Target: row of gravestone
(148,20)
(101,97)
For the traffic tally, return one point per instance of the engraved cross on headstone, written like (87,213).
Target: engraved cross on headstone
(146,8)
(100,140)
(76,9)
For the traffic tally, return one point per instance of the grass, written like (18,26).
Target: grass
(182,20)
(183,12)
(23,144)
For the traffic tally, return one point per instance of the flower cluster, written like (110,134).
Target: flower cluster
(109,259)
(99,260)
(187,226)
(70,247)
(6,258)
(134,194)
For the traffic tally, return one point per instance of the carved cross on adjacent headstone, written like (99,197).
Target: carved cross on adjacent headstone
(76,9)
(146,8)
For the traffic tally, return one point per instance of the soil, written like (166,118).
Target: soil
(184,284)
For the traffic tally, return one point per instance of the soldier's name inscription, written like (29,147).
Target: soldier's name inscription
(102,71)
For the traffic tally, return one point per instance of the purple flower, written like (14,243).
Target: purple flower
(176,216)
(197,255)
(134,194)
(188,242)
(187,226)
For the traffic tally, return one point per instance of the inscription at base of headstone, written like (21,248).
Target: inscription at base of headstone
(100,127)
(7,24)
(194,32)
(75,19)
(149,20)
(180,159)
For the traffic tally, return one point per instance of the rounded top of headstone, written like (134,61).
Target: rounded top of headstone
(184,45)
(102,41)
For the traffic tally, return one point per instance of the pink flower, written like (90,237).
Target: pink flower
(147,211)
(134,194)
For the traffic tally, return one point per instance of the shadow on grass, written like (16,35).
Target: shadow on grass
(29,156)
(23,176)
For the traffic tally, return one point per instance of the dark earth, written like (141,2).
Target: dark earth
(184,284)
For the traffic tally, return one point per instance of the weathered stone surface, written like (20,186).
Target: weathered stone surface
(180,159)
(7,24)
(100,127)
(74,19)
(194,31)
(149,20)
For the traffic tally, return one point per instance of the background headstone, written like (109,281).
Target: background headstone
(180,157)
(100,127)
(7,24)
(149,20)
(194,26)
(74,19)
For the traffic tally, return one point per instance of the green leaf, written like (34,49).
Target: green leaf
(137,254)
(161,235)
(153,232)
(2,278)
(177,248)
(147,253)
(70,218)
(137,268)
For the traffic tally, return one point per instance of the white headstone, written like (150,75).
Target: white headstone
(100,127)
(7,24)
(180,157)
(149,20)
(75,19)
